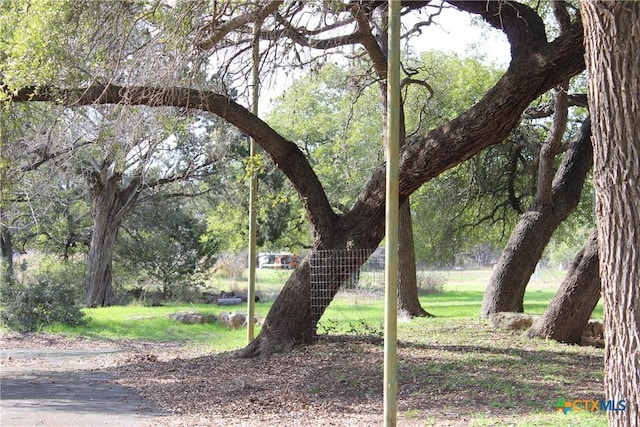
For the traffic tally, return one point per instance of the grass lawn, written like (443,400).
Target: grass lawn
(152,323)
(453,363)
(461,299)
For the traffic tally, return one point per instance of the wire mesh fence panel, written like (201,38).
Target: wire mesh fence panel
(347,290)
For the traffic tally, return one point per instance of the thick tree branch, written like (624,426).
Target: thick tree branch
(488,122)
(368,40)
(553,143)
(286,155)
(521,24)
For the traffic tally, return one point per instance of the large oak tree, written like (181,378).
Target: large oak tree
(557,195)
(537,65)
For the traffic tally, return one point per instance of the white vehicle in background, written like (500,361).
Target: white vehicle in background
(278,260)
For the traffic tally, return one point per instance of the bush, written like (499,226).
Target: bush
(430,283)
(30,306)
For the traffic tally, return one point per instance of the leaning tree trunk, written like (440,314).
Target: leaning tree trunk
(568,313)
(292,318)
(531,235)
(612,37)
(109,206)
(408,303)
(488,122)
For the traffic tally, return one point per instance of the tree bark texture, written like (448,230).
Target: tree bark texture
(612,37)
(109,206)
(99,290)
(292,319)
(506,288)
(568,313)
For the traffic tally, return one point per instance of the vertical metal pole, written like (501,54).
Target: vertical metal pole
(253,189)
(392,205)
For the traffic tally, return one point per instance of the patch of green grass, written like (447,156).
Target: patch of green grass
(491,377)
(471,284)
(461,299)
(543,418)
(152,323)
(448,304)
(269,281)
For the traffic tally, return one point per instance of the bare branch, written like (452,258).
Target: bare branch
(547,110)
(409,81)
(368,40)
(45,155)
(213,33)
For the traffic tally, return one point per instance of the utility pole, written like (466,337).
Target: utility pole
(253,189)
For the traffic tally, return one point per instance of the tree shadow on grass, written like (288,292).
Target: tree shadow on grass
(484,379)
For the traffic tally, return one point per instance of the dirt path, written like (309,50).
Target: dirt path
(57,382)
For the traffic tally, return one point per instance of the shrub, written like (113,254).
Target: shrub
(162,247)
(39,302)
(430,283)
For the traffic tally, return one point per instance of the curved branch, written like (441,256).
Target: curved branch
(521,24)
(409,81)
(368,40)
(488,122)
(286,155)
(546,110)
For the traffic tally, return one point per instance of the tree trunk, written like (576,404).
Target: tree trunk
(408,303)
(531,235)
(612,37)
(568,313)
(109,206)
(292,319)
(99,291)
(6,249)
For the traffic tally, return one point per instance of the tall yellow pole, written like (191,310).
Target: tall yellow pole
(253,190)
(392,205)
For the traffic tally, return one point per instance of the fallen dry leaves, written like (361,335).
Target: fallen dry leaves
(338,382)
